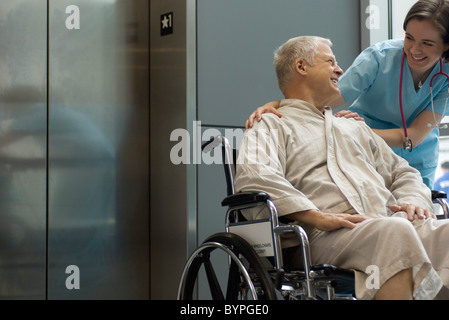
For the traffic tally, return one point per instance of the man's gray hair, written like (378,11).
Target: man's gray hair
(304,47)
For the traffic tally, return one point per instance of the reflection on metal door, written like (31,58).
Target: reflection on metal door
(23,112)
(74,158)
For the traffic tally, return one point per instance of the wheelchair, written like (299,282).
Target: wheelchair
(254,256)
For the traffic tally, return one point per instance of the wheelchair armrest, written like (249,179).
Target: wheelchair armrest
(436,194)
(244,198)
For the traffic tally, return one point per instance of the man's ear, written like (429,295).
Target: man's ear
(301,66)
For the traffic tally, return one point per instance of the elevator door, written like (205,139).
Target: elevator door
(74,159)
(23,112)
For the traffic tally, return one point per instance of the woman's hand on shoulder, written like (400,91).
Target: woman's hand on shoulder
(349,115)
(270,107)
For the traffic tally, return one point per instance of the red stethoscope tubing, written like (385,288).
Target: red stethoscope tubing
(441,73)
(408,143)
(404,125)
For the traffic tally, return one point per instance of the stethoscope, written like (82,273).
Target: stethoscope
(408,145)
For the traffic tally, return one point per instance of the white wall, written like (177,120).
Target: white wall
(399,11)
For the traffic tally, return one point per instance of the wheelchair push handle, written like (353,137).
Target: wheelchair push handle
(211,144)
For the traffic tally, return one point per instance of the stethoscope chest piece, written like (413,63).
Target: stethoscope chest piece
(408,145)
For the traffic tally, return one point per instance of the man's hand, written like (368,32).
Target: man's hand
(327,221)
(413,210)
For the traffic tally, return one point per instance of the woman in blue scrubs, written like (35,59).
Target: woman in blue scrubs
(372,85)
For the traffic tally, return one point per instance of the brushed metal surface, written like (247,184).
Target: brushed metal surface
(98,148)
(74,149)
(23,34)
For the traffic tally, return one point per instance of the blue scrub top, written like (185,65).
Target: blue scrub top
(373,81)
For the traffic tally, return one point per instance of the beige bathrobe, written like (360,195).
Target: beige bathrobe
(306,160)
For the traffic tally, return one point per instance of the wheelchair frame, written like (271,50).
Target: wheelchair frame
(258,276)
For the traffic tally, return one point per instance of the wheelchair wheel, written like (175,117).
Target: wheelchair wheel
(246,275)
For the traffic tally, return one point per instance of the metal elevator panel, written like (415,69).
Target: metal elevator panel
(74,149)
(171,184)
(23,34)
(98,149)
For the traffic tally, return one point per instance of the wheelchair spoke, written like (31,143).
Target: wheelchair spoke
(214,286)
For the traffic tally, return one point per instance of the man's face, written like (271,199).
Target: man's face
(323,75)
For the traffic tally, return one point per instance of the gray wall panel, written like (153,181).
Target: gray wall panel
(23,34)
(236,41)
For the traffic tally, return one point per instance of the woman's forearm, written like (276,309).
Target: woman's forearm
(393,137)
(417,131)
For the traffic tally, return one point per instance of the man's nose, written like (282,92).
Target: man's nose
(338,71)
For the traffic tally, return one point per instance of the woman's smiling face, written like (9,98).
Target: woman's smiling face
(423,45)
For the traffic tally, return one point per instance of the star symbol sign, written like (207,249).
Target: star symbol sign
(165,22)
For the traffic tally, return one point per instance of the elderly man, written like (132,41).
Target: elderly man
(360,203)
